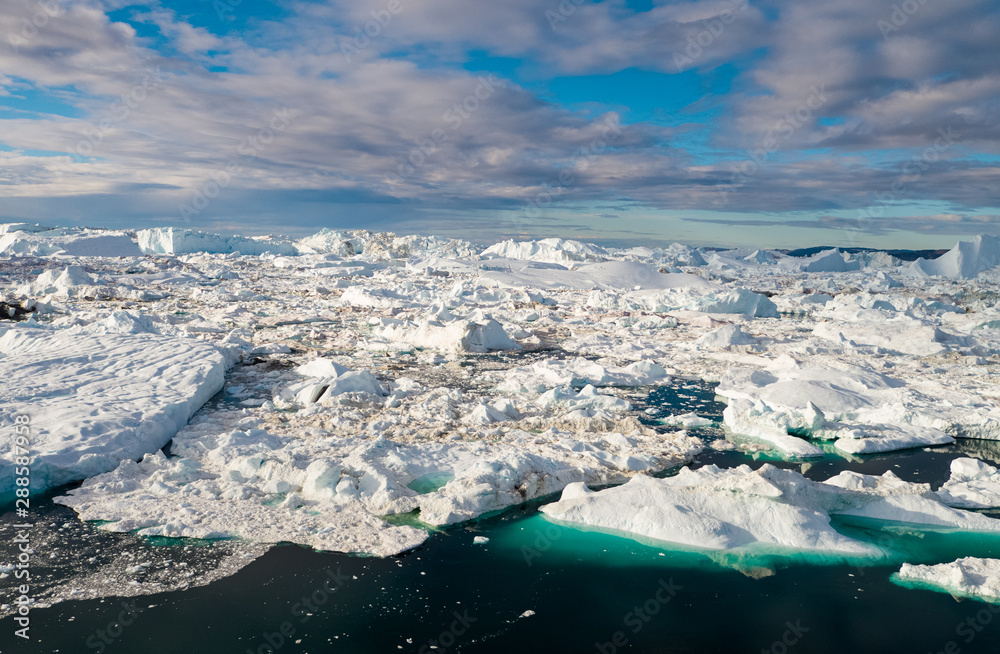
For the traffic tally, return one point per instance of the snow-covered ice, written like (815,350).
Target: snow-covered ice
(726,509)
(971,577)
(96,400)
(376,374)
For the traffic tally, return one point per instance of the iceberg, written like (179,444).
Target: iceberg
(174,240)
(96,400)
(33,240)
(973,484)
(964,261)
(553,250)
(764,510)
(971,577)
(861,410)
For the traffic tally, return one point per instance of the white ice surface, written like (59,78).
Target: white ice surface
(964,261)
(68,241)
(724,509)
(96,400)
(863,411)
(174,240)
(969,577)
(973,484)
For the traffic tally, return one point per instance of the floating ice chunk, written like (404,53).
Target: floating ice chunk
(724,509)
(863,410)
(973,484)
(95,400)
(485,414)
(587,398)
(173,240)
(72,281)
(270,348)
(321,368)
(480,540)
(760,257)
(872,439)
(726,337)
(689,420)
(208,507)
(327,380)
(456,336)
(970,577)
(555,250)
(737,300)
(892,499)
(712,509)
(831,261)
(964,261)
(70,241)
(759,422)
(902,334)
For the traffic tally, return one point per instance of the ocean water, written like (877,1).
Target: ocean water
(588,591)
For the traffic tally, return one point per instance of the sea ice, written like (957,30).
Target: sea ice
(970,577)
(725,509)
(973,484)
(96,400)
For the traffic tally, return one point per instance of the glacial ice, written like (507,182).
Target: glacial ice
(971,577)
(173,240)
(973,484)
(964,261)
(378,374)
(740,508)
(96,400)
(863,411)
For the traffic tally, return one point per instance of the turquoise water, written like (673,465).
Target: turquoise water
(590,592)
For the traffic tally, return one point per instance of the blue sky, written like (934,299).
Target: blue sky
(714,122)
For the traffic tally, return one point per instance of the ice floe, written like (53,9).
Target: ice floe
(380,374)
(971,577)
(96,400)
(768,509)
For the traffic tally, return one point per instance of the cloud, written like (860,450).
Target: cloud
(202,126)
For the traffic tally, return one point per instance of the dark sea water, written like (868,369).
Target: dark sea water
(590,592)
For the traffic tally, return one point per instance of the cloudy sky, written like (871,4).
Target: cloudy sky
(774,122)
